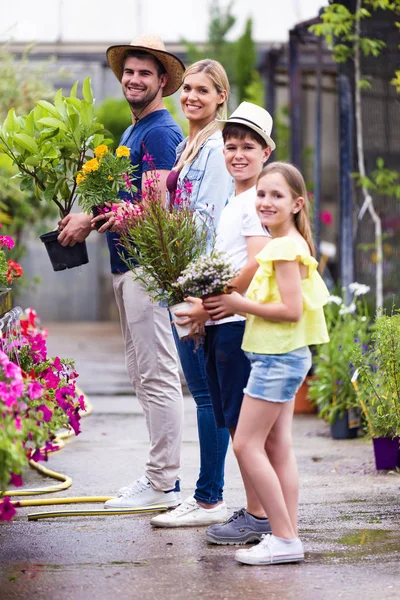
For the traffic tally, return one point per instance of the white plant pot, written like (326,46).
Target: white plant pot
(181,330)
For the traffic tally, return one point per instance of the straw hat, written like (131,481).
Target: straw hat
(155,46)
(254,117)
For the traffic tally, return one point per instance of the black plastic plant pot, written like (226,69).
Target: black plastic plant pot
(340,429)
(96,211)
(64,257)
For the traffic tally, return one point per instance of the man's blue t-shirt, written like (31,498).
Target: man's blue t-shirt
(158,135)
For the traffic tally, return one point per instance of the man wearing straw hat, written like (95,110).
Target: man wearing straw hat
(147,74)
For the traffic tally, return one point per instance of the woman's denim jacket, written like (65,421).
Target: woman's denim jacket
(211,181)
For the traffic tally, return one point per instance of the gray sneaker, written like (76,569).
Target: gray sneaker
(240,528)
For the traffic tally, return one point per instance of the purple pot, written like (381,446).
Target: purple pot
(386,452)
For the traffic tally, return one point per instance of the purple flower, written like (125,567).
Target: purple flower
(16,480)
(74,418)
(7,510)
(47,413)
(38,455)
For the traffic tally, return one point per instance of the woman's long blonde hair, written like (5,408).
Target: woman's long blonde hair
(297,186)
(217,74)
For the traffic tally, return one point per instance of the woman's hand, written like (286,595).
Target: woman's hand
(225,305)
(107,218)
(194,315)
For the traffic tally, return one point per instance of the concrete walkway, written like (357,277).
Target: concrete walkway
(349,513)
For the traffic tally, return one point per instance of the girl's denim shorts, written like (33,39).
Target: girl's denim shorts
(277,377)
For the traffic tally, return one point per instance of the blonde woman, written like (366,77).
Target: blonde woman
(200,168)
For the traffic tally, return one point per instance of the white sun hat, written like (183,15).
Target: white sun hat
(256,118)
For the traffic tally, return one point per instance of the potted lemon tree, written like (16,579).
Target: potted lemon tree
(49,146)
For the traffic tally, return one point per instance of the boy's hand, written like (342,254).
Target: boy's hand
(195,315)
(225,305)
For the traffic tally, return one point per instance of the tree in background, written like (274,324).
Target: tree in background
(239,58)
(341,29)
(245,67)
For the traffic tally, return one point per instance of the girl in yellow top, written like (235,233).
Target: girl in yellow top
(284,308)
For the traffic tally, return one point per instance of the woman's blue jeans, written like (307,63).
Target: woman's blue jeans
(213,441)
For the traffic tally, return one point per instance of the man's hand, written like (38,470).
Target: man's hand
(194,315)
(75,228)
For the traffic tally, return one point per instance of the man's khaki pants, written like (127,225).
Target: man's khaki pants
(152,364)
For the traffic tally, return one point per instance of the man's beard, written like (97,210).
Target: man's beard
(141,104)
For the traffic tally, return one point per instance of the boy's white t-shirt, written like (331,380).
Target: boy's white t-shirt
(238,221)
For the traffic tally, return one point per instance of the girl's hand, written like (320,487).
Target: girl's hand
(195,315)
(224,305)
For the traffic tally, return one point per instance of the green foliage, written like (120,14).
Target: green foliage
(331,388)
(378,381)
(254,90)
(246,58)
(50,144)
(282,134)
(238,58)
(382,181)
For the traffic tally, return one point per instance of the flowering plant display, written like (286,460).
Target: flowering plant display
(38,396)
(207,275)
(103,177)
(377,378)
(9,269)
(331,387)
(158,241)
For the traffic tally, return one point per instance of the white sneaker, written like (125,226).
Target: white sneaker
(190,513)
(140,493)
(271,551)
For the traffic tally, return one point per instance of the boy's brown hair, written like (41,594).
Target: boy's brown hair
(240,132)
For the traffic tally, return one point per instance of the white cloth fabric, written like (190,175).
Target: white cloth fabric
(239,220)
(152,365)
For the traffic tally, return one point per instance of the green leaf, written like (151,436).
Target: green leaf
(47,135)
(87,91)
(26,142)
(74,90)
(11,123)
(50,122)
(32,161)
(48,107)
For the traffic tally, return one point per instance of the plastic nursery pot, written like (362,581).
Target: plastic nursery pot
(181,330)
(64,257)
(302,405)
(96,211)
(340,429)
(386,452)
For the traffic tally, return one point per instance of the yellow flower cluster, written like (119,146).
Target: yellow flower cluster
(122,151)
(91,165)
(80,178)
(100,150)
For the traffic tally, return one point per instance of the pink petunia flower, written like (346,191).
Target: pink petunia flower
(7,510)
(47,413)
(35,390)
(326,217)
(16,480)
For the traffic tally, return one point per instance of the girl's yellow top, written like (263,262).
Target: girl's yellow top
(268,337)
